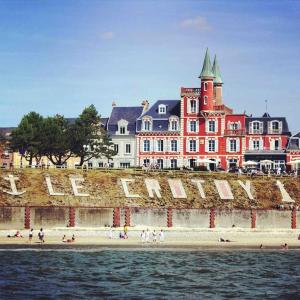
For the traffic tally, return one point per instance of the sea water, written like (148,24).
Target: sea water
(143,274)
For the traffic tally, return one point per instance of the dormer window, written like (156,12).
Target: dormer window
(256,127)
(162,109)
(275,127)
(147,124)
(173,124)
(122,127)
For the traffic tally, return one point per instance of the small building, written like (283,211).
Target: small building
(293,152)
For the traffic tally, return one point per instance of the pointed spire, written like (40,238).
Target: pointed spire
(216,71)
(206,69)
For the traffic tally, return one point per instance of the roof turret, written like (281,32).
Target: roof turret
(206,69)
(216,71)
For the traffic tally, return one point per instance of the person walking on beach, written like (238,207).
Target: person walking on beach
(147,236)
(30,235)
(143,236)
(154,236)
(161,236)
(41,236)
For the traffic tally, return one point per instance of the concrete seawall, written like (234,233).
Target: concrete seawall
(84,217)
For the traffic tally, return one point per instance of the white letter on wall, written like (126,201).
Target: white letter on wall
(13,186)
(50,187)
(247,188)
(153,187)
(177,188)
(285,196)
(76,187)
(125,182)
(224,189)
(198,183)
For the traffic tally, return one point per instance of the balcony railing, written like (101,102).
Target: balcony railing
(235,132)
(190,91)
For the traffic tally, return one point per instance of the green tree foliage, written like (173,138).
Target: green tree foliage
(27,137)
(56,140)
(89,139)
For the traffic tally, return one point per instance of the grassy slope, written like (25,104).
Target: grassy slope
(105,189)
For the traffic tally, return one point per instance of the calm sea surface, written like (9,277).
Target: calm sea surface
(128,274)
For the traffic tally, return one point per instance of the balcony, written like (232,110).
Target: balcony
(235,132)
(190,91)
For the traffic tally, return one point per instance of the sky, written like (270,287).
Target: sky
(59,56)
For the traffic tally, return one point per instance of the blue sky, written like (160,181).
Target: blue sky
(59,56)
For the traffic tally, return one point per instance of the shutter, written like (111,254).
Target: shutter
(280,127)
(178,145)
(188,125)
(261,144)
(238,145)
(197,145)
(269,127)
(187,145)
(206,145)
(197,126)
(216,145)
(151,145)
(216,125)
(227,145)
(261,127)
(188,106)
(250,144)
(250,128)
(272,144)
(206,125)
(141,145)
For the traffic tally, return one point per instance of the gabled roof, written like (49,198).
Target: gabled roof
(130,114)
(173,109)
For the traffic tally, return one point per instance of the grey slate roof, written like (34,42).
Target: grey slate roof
(161,121)
(130,114)
(6,131)
(294,142)
(265,120)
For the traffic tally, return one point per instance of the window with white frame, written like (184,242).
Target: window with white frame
(160,163)
(256,127)
(275,127)
(211,126)
(193,126)
(162,109)
(193,106)
(116,148)
(174,146)
(234,125)
(146,147)
(211,146)
(173,125)
(192,146)
(122,126)
(256,144)
(232,145)
(122,130)
(128,148)
(205,100)
(147,125)
(160,145)
(205,86)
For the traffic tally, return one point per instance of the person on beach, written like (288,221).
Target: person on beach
(143,236)
(17,234)
(30,235)
(41,236)
(63,238)
(147,236)
(261,246)
(161,236)
(285,246)
(110,233)
(154,237)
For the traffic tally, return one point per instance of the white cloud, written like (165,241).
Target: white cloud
(198,23)
(108,35)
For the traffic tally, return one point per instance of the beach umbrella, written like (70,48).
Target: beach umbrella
(266,161)
(204,161)
(250,163)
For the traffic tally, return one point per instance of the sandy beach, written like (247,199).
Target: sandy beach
(179,238)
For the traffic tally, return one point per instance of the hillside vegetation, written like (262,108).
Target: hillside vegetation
(105,189)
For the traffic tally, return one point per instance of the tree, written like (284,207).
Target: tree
(56,139)
(26,138)
(89,139)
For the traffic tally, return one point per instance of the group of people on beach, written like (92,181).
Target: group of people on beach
(147,236)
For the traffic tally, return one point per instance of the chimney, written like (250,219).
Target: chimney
(145,105)
(114,104)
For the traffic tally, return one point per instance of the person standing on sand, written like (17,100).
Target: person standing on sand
(154,237)
(41,236)
(30,235)
(143,236)
(147,236)
(161,236)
